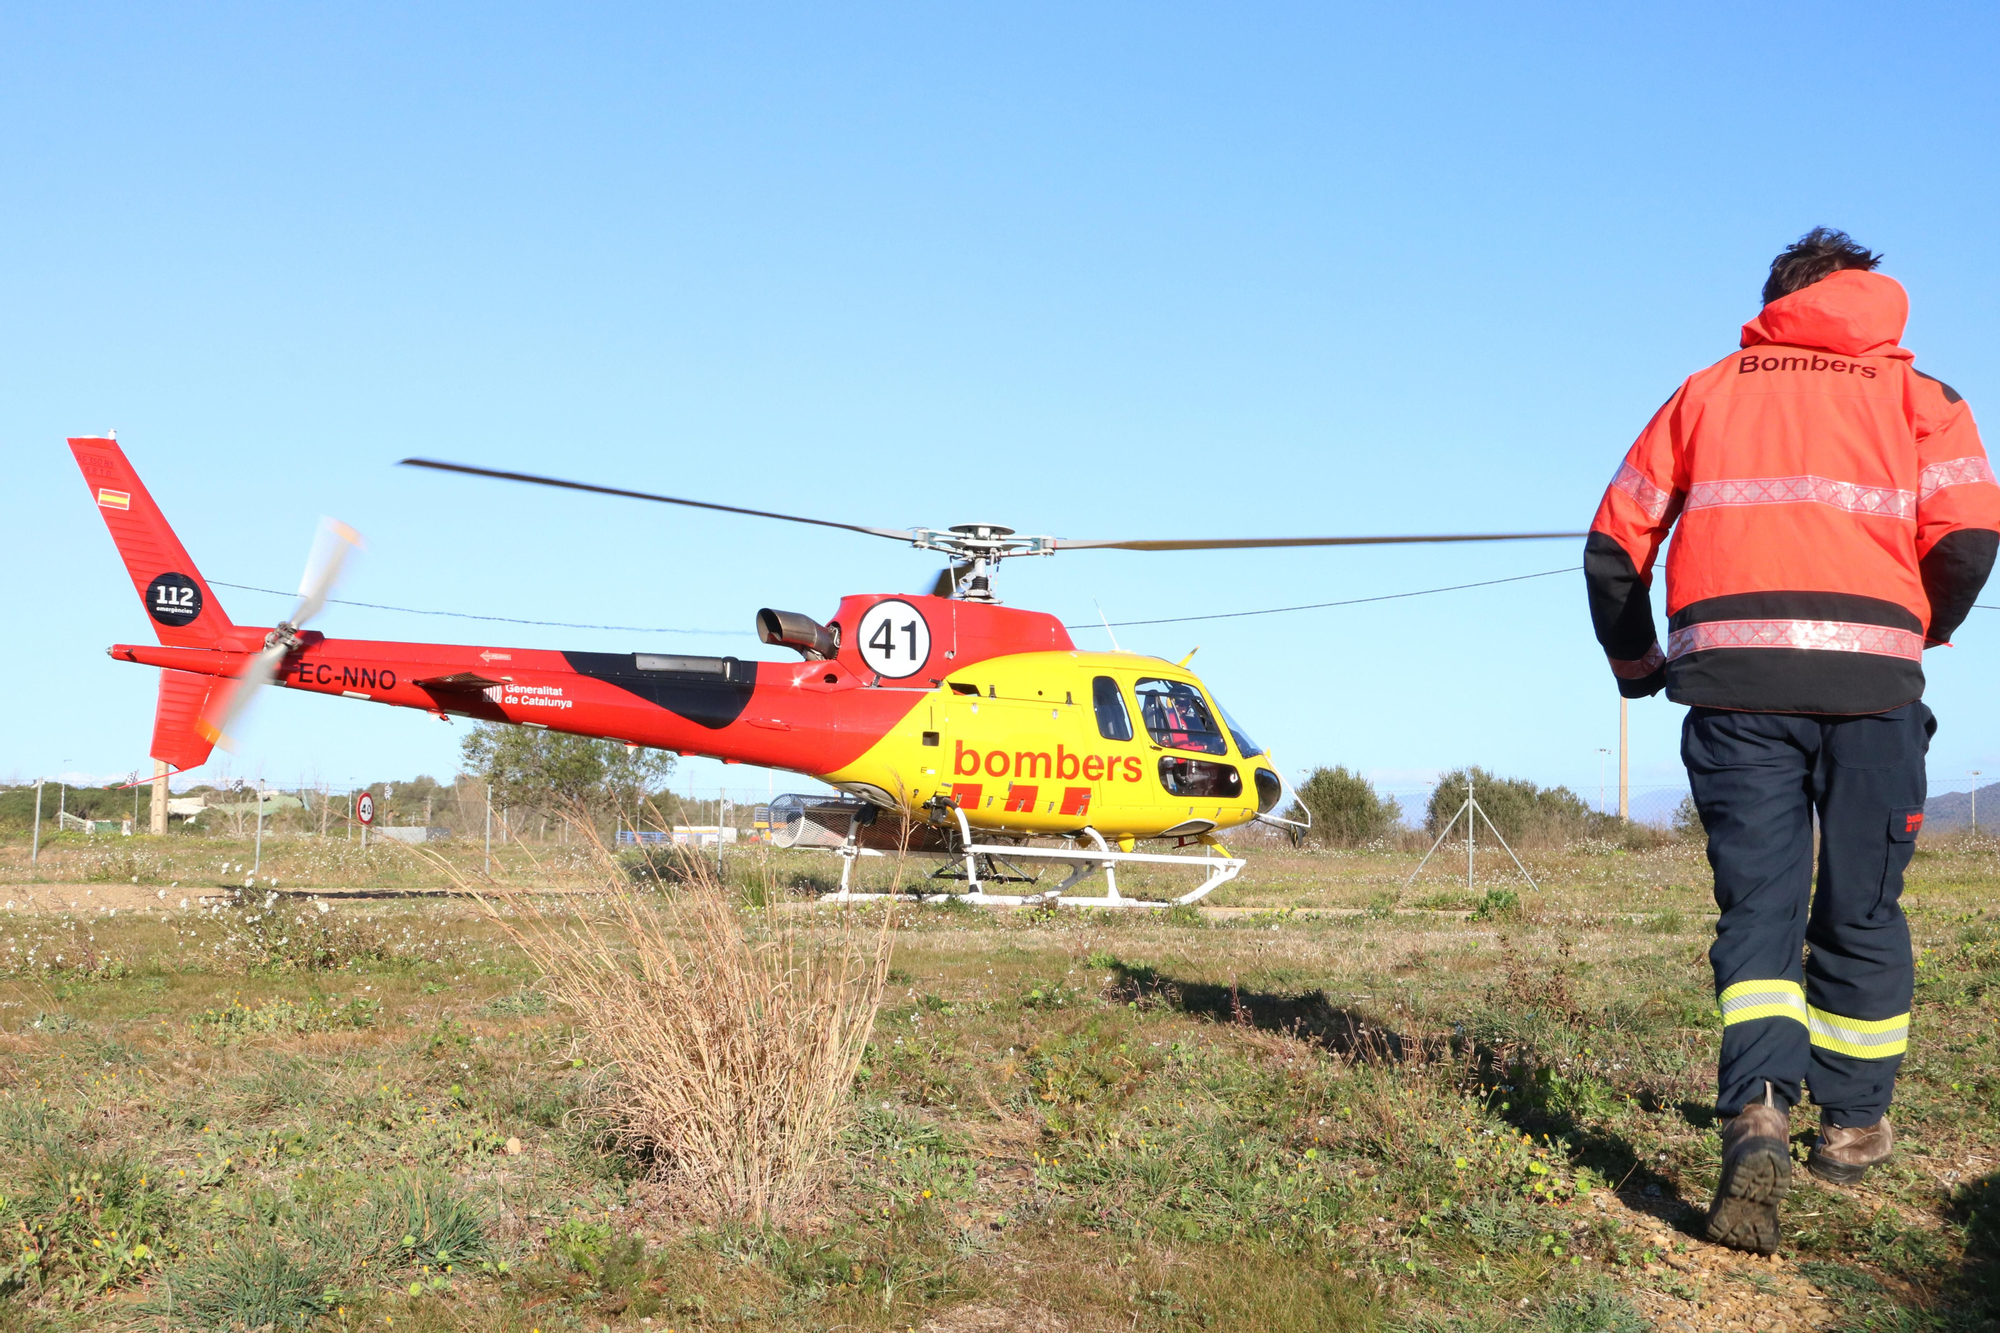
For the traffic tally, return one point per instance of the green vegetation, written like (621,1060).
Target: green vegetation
(1486,1114)
(1345,811)
(553,770)
(1528,815)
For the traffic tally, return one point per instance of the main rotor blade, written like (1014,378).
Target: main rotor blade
(894,534)
(1247,543)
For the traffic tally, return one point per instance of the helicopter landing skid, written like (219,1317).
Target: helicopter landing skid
(1082,863)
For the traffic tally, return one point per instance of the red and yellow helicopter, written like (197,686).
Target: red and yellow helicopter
(982,731)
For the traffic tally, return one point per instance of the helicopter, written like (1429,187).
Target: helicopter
(953,726)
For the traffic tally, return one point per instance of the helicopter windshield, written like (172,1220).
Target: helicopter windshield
(1246,747)
(1178,717)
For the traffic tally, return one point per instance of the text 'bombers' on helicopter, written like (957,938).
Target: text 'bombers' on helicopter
(957,727)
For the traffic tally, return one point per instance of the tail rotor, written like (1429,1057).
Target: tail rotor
(330,551)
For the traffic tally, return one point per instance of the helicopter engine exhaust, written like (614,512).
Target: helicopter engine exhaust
(812,640)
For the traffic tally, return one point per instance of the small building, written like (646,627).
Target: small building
(412,833)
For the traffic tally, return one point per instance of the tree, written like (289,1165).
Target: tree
(537,767)
(1687,820)
(1346,811)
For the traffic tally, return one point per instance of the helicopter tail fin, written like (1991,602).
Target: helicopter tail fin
(184,612)
(177,736)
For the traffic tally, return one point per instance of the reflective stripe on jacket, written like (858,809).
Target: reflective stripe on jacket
(1833,512)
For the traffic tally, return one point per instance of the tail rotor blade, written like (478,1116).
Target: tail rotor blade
(223,712)
(329,553)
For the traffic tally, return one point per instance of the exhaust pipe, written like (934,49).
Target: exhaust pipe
(813,641)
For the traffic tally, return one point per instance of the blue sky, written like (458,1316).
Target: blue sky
(1095,271)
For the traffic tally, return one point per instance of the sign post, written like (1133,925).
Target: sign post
(364,810)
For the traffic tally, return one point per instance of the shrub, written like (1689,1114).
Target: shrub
(1345,810)
(1520,810)
(727,1038)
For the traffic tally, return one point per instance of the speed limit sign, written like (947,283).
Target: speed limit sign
(364,808)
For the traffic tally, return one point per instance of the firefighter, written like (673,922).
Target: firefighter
(1834,515)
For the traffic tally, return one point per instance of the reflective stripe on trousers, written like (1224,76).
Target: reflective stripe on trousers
(1747,1001)
(1859,1037)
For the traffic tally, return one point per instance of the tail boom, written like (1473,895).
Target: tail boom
(808,717)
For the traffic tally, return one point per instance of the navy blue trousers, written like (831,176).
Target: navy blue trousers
(1814,987)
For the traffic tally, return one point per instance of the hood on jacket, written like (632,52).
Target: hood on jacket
(1852,312)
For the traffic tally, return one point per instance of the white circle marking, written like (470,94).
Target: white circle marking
(894,638)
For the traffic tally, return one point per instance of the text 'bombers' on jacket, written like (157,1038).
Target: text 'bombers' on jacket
(1837,515)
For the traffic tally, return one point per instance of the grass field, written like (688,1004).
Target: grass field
(1344,1105)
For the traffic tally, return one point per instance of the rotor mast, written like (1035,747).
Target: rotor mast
(975,551)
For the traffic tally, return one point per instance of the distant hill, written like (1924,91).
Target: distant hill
(1953,810)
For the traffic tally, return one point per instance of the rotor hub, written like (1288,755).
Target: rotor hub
(975,549)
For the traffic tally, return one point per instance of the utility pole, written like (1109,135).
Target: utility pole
(489,830)
(1624,757)
(35,845)
(257,860)
(1603,754)
(721,798)
(1975,801)
(159,798)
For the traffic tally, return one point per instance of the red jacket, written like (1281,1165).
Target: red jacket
(1836,516)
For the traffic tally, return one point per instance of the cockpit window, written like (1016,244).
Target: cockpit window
(1246,747)
(1177,717)
(1113,722)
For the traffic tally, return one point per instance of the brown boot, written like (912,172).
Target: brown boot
(1756,1172)
(1843,1156)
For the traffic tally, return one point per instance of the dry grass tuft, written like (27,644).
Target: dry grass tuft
(728,1036)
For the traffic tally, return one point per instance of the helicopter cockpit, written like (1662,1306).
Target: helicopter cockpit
(1177,717)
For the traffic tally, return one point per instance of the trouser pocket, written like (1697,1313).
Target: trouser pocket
(1905,822)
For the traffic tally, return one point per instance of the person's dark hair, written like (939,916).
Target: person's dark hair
(1819,252)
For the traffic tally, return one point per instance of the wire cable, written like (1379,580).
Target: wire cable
(505,620)
(1319,606)
(1114,624)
